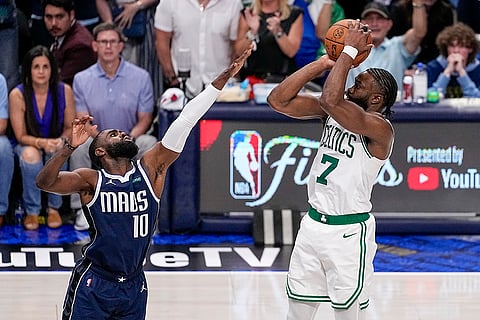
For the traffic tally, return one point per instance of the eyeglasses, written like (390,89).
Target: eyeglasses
(105,43)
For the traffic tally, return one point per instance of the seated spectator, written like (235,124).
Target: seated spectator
(85,13)
(276,28)
(41,113)
(6,153)
(440,14)
(456,71)
(208,29)
(129,8)
(395,54)
(72,46)
(137,50)
(117,93)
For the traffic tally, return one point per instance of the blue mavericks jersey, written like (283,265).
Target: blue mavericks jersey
(122,217)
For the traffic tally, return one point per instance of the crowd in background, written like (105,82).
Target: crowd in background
(114,59)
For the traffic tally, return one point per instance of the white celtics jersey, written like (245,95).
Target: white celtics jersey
(343,172)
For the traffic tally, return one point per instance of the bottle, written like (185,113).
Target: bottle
(433,95)
(407,89)
(420,84)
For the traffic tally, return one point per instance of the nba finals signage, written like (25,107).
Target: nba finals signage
(256,165)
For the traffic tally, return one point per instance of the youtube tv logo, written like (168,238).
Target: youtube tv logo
(423,178)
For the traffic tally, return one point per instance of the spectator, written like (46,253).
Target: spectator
(6,153)
(276,28)
(85,12)
(456,71)
(440,14)
(318,16)
(117,93)
(310,42)
(207,28)
(9,41)
(41,113)
(137,50)
(467,12)
(326,13)
(72,46)
(393,54)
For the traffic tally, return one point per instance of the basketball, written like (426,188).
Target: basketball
(335,38)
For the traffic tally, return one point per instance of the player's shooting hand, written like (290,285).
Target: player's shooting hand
(357,36)
(82,129)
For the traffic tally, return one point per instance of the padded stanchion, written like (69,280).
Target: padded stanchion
(185,177)
(276,227)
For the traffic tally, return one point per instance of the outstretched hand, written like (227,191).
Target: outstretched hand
(82,129)
(220,81)
(238,63)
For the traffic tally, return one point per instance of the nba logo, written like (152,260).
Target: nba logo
(245,151)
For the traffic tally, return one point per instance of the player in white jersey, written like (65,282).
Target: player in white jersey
(332,260)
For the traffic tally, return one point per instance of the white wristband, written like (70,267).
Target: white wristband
(351,51)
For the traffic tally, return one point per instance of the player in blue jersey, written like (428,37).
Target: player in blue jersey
(332,260)
(121,201)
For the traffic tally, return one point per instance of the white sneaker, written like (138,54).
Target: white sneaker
(81,222)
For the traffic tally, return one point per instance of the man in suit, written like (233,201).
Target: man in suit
(72,47)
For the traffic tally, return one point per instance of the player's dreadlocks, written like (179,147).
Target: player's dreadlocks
(388,85)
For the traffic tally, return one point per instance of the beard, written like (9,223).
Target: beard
(123,149)
(361,102)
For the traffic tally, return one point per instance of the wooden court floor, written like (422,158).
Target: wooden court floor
(251,296)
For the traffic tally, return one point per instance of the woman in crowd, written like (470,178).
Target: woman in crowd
(41,113)
(276,28)
(456,71)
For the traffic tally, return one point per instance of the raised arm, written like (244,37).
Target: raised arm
(286,98)
(51,179)
(164,153)
(324,20)
(366,120)
(162,44)
(103,10)
(414,36)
